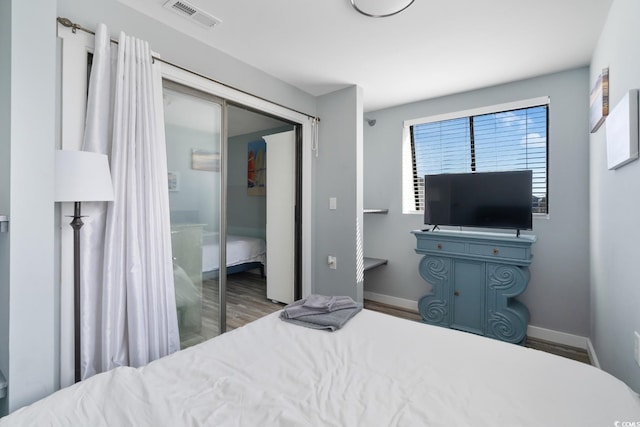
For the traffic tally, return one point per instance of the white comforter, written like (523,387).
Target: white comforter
(240,249)
(376,371)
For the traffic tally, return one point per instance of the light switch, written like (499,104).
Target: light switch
(333,203)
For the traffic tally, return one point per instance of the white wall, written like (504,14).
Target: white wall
(30,143)
(558,293)
(336,175)
(615,204)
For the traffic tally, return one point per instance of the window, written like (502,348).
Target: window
(500,138)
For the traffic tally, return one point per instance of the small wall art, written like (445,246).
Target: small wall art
(257,168)
(174,181)
(599,101)
(205,160)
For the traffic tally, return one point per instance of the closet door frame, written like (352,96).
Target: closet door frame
(304,129)
(222,224)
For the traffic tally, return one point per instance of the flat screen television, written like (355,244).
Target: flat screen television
(481,199)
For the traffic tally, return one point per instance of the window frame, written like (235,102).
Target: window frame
(408,159)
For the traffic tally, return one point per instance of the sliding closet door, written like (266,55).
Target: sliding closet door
(281,204)
(194,134)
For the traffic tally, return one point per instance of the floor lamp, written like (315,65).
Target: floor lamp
(80,176)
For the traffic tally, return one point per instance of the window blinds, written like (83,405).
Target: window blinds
(500,141)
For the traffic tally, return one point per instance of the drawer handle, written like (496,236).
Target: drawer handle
(439,245)
(456,293)
(496,251)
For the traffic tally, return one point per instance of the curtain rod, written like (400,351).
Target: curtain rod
(74,27)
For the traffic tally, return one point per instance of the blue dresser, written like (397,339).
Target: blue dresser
(475,278)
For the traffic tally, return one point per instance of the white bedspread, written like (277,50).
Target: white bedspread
(240,249)
(376,371)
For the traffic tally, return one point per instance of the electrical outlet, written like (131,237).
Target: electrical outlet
(333,264)
(636,347)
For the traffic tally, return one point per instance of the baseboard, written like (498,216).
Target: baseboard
(592,354)
(407,304)
(557,337)
(532,331)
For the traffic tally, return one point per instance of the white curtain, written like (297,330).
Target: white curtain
(97,138)
(128,301)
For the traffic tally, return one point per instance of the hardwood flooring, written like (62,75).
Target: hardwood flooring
(247,301)
(538,344)
(574,353)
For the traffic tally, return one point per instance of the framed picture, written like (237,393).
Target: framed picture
(622,131)
(599,101)
(256,168)
(205,160)
(174,181)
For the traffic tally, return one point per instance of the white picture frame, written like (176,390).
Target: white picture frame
(622,131)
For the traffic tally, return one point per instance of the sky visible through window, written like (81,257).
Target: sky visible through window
(509,140)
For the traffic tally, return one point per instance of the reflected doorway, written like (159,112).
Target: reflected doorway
(212,203)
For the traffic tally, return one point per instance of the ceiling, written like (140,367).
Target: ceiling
(432,49)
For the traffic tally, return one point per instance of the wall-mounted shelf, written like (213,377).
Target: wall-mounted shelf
(370,263)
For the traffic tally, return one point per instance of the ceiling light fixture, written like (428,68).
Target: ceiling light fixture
(380,8)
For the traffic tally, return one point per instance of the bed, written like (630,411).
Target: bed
(376,371)
(243,253)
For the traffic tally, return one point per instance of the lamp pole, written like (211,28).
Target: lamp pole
(76,224)
(81,176)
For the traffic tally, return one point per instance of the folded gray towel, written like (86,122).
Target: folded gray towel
(320,302)
(330,321)
(300,308)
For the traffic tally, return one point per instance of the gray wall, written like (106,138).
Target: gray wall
(185,51)
(198,198)
(28,140)
(246,215)
(336,175)
(558,293)
(615,203)
(5,155)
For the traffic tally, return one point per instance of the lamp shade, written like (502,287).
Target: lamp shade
(82,176)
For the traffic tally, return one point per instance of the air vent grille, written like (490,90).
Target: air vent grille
(181,7)
(192,12)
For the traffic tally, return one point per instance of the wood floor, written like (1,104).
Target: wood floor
(538,344)
(247,301)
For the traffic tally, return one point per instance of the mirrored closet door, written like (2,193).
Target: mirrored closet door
(194,135)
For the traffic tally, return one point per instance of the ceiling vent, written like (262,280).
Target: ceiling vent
(192,12)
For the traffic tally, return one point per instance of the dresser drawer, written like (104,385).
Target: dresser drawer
(444,246)
(498,251)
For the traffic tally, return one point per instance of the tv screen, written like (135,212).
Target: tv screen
(485,199)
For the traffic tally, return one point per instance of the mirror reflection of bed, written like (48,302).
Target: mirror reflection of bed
(196,273)
(195,238)
(244,253)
